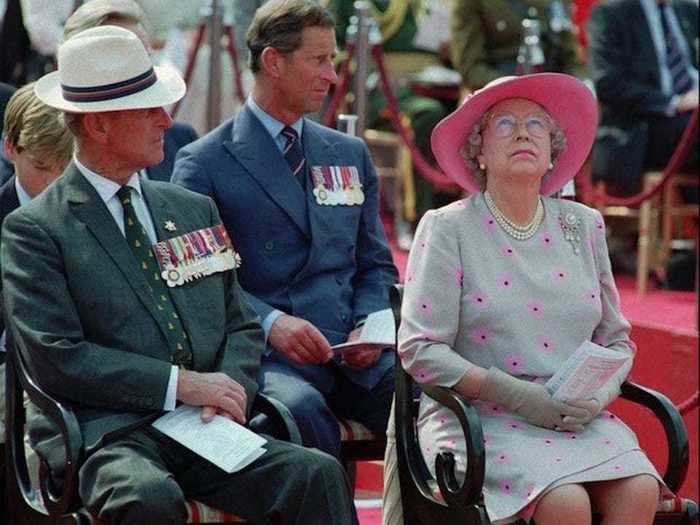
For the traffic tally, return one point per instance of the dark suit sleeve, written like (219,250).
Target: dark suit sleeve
(614,64)
(240,355)
(189,174)
(47,329)
(375,269)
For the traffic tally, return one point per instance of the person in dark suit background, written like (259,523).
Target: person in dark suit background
(643,61)
(40,146)
(118,344)
(301,203)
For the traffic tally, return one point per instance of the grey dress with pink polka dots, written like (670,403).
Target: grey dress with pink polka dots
(474,295)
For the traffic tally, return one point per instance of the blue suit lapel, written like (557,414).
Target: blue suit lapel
(253,147)
(88,208)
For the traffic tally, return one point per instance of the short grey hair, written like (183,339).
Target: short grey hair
(98,12)
(472,149)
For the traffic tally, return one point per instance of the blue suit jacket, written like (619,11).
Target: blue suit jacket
(330,265)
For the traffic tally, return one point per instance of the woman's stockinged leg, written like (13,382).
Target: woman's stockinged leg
(568,504)
(627,500)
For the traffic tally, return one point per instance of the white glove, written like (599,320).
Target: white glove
(531,400)
(591,406)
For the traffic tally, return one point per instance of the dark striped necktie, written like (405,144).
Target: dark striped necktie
(294,155)
(675,59)
(140,244)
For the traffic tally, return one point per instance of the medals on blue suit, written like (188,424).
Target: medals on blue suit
(195,254)
(337,185)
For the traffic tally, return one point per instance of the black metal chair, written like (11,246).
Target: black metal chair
(429,501)
(51,507)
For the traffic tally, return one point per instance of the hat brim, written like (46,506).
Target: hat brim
(168,89)
(566,99)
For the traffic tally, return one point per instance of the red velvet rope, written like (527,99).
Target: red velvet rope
(341,88)
(689,404)
(436,177)
(191,59)
(191,55)
(235,59)
(677,159)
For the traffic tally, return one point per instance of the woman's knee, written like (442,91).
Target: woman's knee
(636,494)
(567,501)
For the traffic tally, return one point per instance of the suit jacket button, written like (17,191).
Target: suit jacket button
(344,317)
(269,245)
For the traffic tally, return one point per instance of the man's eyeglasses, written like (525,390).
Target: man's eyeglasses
(505,124)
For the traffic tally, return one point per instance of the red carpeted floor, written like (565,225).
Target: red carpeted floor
(665,329)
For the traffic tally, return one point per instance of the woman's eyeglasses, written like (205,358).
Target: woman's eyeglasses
(505,124)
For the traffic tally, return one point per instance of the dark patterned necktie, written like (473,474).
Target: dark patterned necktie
(675,59)
(294,155)
(140,244)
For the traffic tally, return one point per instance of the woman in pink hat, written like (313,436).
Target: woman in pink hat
(501,288)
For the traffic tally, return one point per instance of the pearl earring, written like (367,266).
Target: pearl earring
(482,167)
(551,165)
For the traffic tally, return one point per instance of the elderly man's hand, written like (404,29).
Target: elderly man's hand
(687,101)
(215,392)
(362,358)
(299,340)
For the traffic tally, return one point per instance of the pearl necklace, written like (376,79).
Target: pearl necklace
(520,233)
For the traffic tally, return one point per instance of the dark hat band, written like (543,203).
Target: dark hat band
(110,91)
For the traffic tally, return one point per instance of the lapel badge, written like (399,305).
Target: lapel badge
(170,226)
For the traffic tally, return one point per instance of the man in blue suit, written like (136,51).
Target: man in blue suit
(300,202)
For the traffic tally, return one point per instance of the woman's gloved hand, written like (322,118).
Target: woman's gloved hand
(531,400)
(591,406)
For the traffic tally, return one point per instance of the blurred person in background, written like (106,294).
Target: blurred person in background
(487,37)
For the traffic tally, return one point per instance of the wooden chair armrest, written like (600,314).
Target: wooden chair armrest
(279,417)
(469,493)
(65,499)
(674,428)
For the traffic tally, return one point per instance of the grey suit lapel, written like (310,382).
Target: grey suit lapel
(253,147)
(88,208)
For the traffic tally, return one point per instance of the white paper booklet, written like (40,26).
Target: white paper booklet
(587,371)
(378,332)
(225,443)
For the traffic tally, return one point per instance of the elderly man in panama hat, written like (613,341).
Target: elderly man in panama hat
(124,332)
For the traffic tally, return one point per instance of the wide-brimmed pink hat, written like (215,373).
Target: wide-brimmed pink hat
(567,100)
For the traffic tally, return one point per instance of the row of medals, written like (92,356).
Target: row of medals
(350,196)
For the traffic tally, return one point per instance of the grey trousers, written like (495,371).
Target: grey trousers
(145,477)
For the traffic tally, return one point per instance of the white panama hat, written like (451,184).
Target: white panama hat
(107,68)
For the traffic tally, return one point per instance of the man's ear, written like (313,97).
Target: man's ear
(96,126)
(270,61)
(9,150)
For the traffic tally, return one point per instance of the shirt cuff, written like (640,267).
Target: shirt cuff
(171,394)
(267,326)
(671,108)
